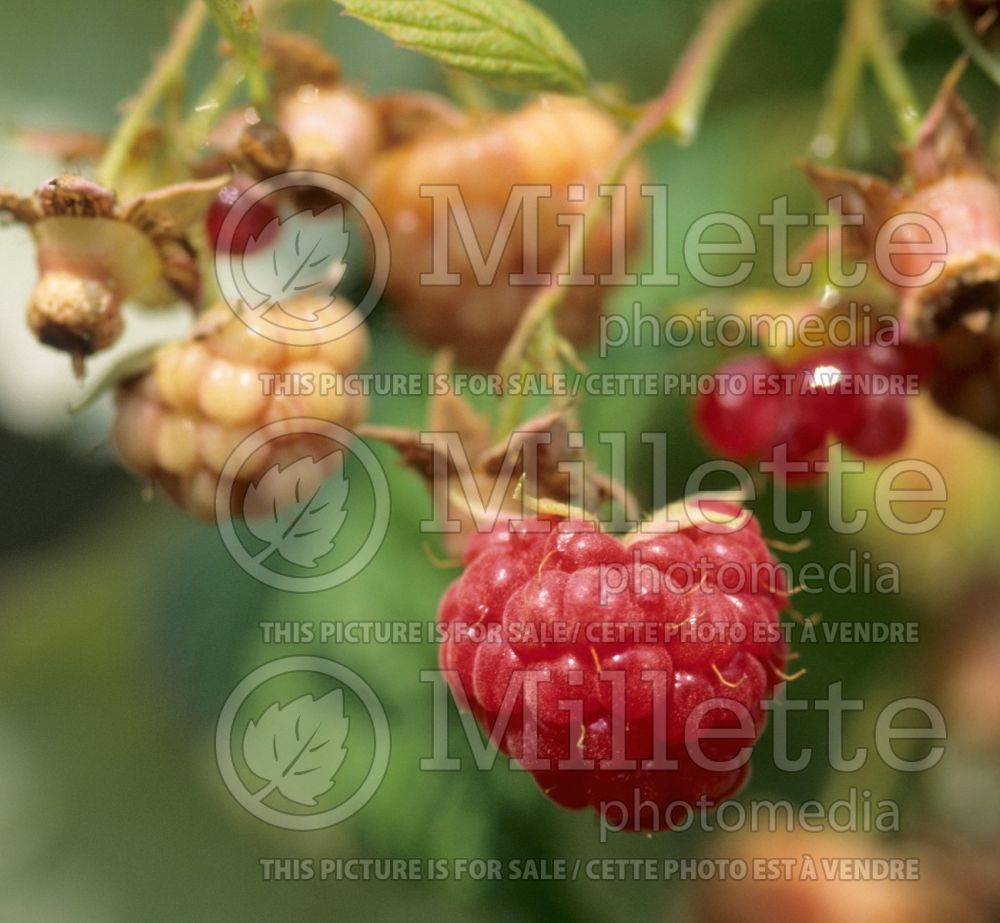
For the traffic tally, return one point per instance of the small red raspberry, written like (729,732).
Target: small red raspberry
(257,228)
(856,395)
(611,656)
(178,423)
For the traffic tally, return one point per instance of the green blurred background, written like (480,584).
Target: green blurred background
(124,625)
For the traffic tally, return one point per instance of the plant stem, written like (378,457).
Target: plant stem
(209,105)
(973,44)
(889,72)
(168,69)
(676,110)
(238,24)
(841,90)
(683,102)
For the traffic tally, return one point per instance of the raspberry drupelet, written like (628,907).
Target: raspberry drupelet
(855,395)
(178,423)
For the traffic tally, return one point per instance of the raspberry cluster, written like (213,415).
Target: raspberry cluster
(178,423)
(593,662)
(857,395)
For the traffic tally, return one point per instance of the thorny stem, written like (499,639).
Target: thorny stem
(869,17)
(166,72)
(676,111)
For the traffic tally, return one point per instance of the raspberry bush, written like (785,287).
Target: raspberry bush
(515,267)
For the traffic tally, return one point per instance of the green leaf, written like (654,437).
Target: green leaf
(507,42)
(237,23)
(298,748)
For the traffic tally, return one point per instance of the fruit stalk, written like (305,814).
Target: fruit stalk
(677,111)
(167,70)
(868,18)
(841,91)
(966,33)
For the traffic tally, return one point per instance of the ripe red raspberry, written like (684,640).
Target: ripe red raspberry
(554,142)
(740,416)
(178,423)
(557,623)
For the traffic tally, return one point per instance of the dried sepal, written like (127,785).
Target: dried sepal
(94,253)
(296,60)
(173,208)
(948,188)
(860,194)
(19,208)
(539,460)
(71,196)
(949,141)
(264,150)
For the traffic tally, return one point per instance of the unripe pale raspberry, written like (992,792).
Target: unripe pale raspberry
(178,423)
(332,129)
(554,142)
(606,650)
(947,888)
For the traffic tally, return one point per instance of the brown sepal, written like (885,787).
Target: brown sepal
(949,141)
